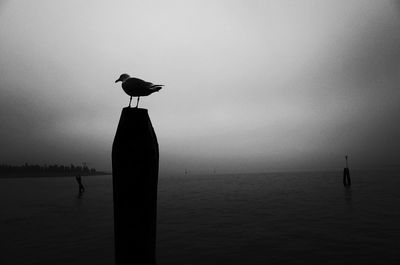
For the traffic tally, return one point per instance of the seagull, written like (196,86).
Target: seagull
(136,87)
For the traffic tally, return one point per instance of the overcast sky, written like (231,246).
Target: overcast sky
(249,85)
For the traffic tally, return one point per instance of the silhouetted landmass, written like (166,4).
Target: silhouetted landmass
(26,170)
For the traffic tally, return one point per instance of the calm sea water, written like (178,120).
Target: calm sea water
(277,218)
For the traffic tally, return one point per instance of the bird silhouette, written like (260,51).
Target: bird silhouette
(136,87)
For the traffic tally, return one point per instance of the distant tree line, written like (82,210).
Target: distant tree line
(47,169)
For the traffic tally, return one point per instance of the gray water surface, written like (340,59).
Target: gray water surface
(275,218)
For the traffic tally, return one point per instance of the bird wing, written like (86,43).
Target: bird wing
(138,87)
(135,82)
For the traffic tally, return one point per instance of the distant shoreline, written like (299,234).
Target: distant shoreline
(50,175)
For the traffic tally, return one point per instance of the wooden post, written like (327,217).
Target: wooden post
(135,177)
(346,175)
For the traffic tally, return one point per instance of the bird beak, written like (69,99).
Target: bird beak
(119,79)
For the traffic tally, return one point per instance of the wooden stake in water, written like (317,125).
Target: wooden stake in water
(346,175)
(135,160)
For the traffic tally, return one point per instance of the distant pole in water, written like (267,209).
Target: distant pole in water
(81,187)
(346,175)
(135,177)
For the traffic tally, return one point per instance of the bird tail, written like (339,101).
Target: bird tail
(156,88)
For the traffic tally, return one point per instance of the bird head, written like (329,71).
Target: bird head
(122,78)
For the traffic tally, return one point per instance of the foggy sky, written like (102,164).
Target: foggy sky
(249,85)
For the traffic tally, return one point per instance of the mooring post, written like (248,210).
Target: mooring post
(346,175)
(135,176)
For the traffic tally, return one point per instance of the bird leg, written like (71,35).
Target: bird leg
(137,103)
(130,102)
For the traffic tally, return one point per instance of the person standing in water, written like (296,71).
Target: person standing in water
(79,180)
(346,175)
